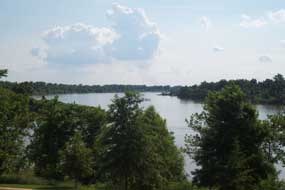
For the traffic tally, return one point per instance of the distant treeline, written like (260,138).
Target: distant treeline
(42,88)
(269,91)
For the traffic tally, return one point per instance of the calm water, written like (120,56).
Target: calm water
(174,110)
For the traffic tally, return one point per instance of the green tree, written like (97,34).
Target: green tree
(14,125)
(77,160)
(54,126)
(162,162)
(227,143)
(121,142)
(136,150)
(274,142)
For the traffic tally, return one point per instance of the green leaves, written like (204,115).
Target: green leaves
(76,160)
(3,73)
(135,149)
(227,143)
(14,125)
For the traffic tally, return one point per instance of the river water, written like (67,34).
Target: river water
(174,110)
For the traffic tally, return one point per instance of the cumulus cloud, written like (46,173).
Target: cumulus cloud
(132,37)
(249,22)
(217,49)
(277,16)
(205,22)
(265,59)
(139,37)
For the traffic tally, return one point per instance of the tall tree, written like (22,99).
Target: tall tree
(136,150)
(14,125)
(121,142)
(77,160)
(55,125)
(227,144)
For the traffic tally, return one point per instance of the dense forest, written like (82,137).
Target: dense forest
(42,88)
(127,147)
(269,91)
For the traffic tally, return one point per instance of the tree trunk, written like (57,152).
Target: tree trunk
(126,182)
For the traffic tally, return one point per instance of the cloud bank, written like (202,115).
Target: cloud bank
(132,36)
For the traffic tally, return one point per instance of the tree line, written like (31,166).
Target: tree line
(42,88)
(269,91)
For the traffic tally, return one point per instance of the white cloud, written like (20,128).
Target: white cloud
(249,22)
(217,49)
(277,16)
(265,59)
(205,22)
(132,37)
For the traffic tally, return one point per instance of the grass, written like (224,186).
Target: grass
(53,187)
(38,187)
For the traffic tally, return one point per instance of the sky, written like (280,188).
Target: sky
(161,42)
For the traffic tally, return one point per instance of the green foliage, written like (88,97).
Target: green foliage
(136,150)
(76,159)
(271,183)
(227,144)
(42,88)
(3,73)
(24,177)
(55,125)
(14,124)
(268,91)
(275,140)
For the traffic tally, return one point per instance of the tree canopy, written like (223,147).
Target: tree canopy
(227,144)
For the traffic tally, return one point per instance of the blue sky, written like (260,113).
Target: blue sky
(141,42)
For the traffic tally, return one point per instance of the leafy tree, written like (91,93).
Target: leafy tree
(54,126)
(76,159)
(121,142)
(136,150)
(274,142)
(14,125)
(227,144)
(163,162)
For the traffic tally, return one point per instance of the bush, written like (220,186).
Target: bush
(22,178)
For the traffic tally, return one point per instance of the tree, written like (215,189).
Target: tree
(77,160)
(274,142)
(121,142)
(136,150)
(163,162)
(3,73)
(54,126)
(14,125)
(227,144)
